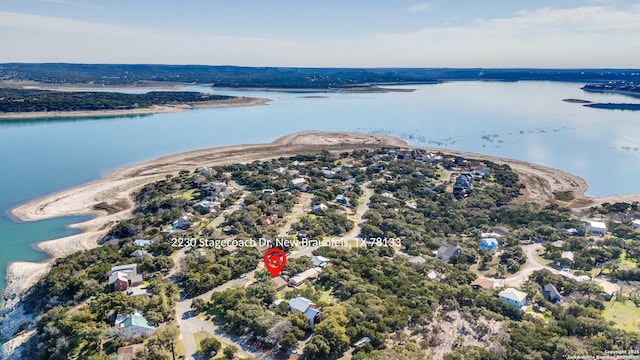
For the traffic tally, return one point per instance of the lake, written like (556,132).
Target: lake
(523,120)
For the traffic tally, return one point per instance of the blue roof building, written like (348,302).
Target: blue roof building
(488,244)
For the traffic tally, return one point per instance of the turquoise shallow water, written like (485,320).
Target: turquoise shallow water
(525,120)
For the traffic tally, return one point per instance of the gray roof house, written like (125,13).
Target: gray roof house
(307,307)
(447,252)
(551,294)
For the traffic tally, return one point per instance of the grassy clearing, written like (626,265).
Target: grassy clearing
(191,195)
(199,336)
(625,315)
(627,263)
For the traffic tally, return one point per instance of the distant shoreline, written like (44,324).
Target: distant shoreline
(155,109)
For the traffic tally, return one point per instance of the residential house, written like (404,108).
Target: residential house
(124,276)
(513,297)
(433,275)
(488,244)
(140,253)
(416,154)
(462,186)
(142,242)
(360,343)
(597,228)
(297,183)
(134,325)
(501,231)
(231,249)
(268,191)
(204,206)
(281,283)
(636,224)
(128,352)
(319,209)
(328,174)
(183,222)
(568,261)
(481,172)
(445,253)
(482,283)
(320,261)
(205,171)
(459,160)
(342,200)
(550,293)
(309,274)
(213,188)
(306,307)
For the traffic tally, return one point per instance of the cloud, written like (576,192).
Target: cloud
(420,7)
(590,36)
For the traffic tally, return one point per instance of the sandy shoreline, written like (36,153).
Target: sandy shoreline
(155,109)
(542,182)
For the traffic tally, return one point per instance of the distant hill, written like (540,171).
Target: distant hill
(286,77)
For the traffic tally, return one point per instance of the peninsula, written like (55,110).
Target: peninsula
(30,103)
(419,211)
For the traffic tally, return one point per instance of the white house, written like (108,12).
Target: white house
(636,224)
(513,297)
(142,242)
(205,205)
(320,261)
(182,222)
(134,325)
(597,228)
(307,307)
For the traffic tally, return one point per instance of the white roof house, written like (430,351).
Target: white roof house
(320,261)
(142,242)
(513,297)
(636,224)
(598,228)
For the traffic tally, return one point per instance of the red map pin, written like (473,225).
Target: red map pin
(274,261)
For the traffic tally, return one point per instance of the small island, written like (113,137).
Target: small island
(28,103)
(577,101)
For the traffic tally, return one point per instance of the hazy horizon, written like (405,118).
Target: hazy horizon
(359,34)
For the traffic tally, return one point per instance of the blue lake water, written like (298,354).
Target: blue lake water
(524,120)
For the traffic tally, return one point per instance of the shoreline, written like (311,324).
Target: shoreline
(154,109)
(542,183)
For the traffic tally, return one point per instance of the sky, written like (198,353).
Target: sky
(328,33)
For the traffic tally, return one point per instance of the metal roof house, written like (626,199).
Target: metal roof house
(307,307)
(513,297)
(488,243)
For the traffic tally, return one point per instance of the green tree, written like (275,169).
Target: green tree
(230,351)
(210,346)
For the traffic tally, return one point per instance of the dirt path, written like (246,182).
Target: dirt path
(297,211)
(363,207)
